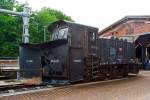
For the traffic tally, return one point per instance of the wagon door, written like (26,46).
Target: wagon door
(76,53)
(76,64)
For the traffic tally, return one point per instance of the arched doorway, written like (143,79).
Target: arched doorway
(143,49)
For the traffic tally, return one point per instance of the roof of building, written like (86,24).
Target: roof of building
(123,20)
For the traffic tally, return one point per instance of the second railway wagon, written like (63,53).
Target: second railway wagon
(76,54)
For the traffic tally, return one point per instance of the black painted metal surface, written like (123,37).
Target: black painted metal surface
(77,54)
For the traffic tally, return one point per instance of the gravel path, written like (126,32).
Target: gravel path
(134,88)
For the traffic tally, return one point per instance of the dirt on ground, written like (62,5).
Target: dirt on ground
(133,88)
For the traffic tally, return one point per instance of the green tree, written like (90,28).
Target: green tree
(11,27)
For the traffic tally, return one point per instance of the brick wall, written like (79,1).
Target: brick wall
(128,28)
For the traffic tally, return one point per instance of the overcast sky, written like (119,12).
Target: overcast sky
(98,13)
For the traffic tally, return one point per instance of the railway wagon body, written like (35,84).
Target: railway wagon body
(116,57)
(63,58)
(74,54)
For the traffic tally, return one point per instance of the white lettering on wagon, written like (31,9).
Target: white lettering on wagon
(55,61)
(77,60)
(29,61)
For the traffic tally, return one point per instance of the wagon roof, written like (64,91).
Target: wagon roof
(64,22)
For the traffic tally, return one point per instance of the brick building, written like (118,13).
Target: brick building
(135,29)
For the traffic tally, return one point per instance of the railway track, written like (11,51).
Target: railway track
(22,89)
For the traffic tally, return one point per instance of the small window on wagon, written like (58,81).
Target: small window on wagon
(60,33)
(93,36)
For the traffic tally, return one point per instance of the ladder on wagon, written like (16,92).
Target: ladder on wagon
(91,67)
